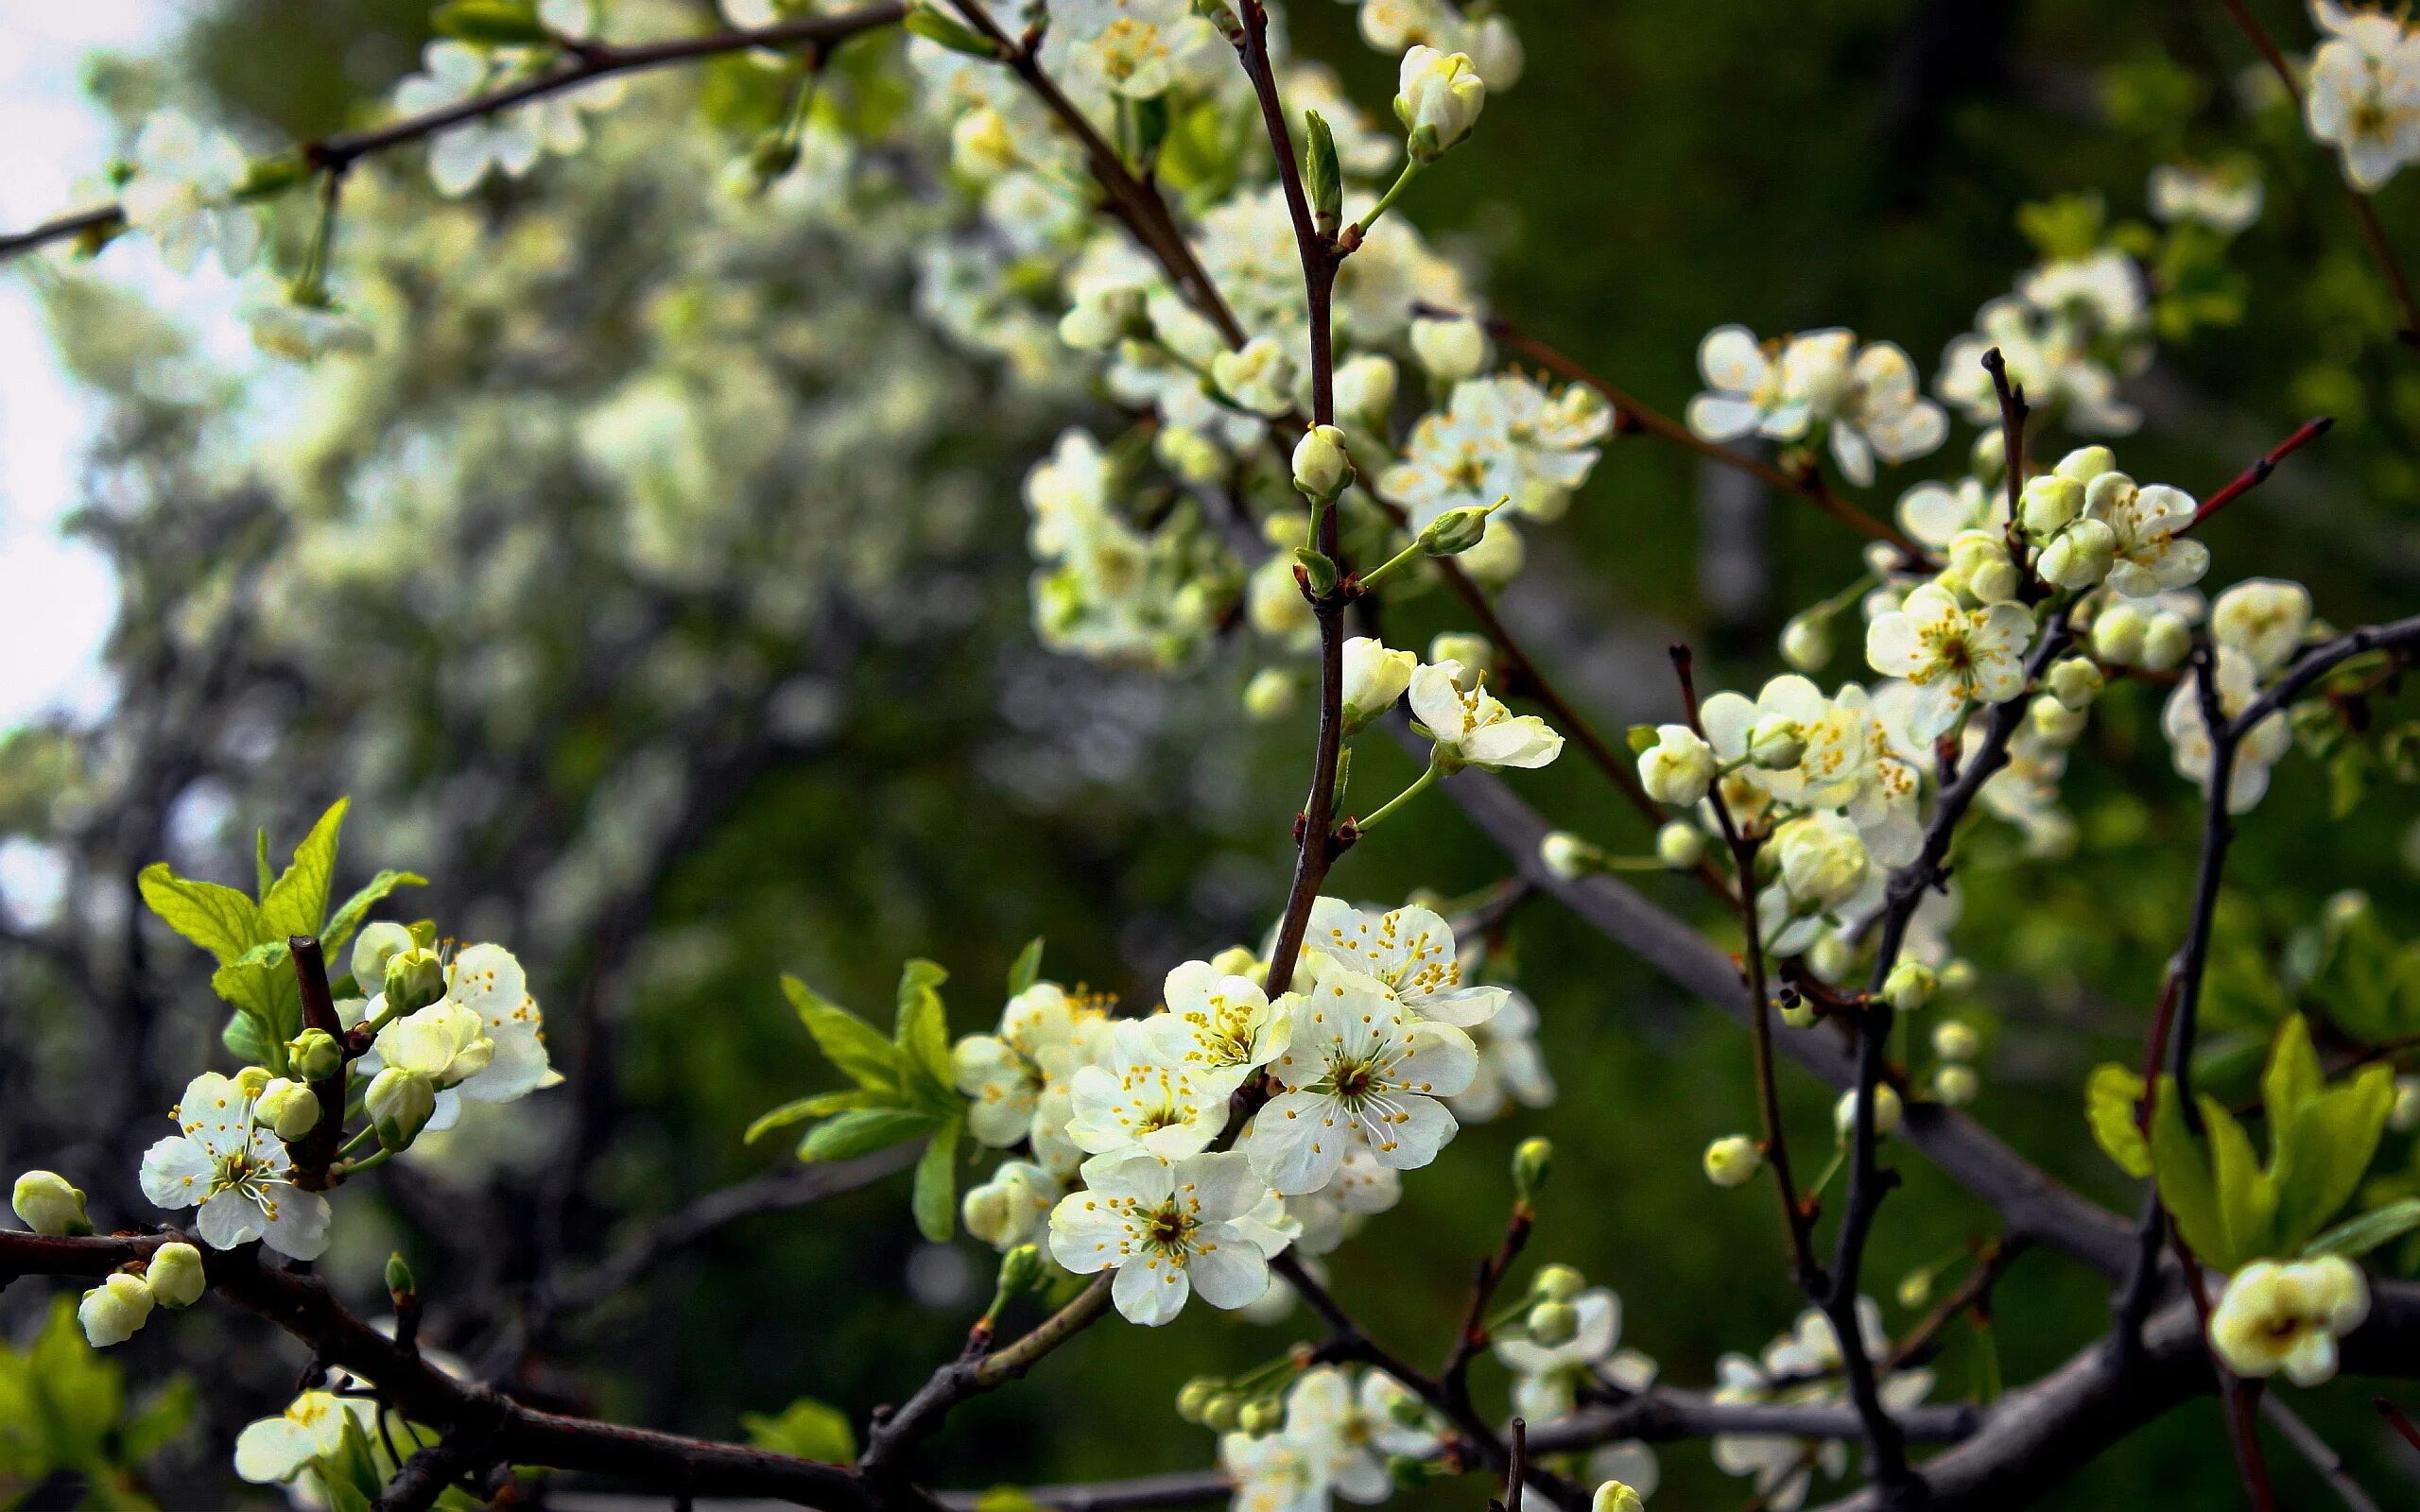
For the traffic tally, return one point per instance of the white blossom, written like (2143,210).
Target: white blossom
(2288,1317)
(1362,1072)
(2235,680)
(237,1174)
(1137,1096)
(1954,657)
(182,195)
(1409,951)
(1473,728)
(1547,1379)
(1169,1229)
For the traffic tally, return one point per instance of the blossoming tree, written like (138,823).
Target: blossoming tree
(1160,202)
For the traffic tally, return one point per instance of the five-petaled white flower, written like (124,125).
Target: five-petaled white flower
(2288,1317)
(2236,681)
(1953,656)
(1045,1035)
(1218,1022)
(1473,728)
(1362,1072)
(271,1450)
(1137,1097)
(239,1175)
(1169,1229)
(182,195)
(1410,950)
(2364,97)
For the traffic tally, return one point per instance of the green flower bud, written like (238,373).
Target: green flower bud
(1223,1412)
(1680,845)
(48,1204)
(1568,856)
(1531,1159)
(1456,531)
(1272,694)
(1613,1496)
(1553,1323)
(1732,1161)
(1021,1271)
(1323,466)
(2050,502)
(113,1310)
(400,1281)
(2117,633)
(415,978)
(1265,1416)
(1956,1086)
(288,1109)
(1807,643)
(1194,1396)
(1830,957)
(400,1104)
(1957,974)
(1474,654)
(1558,1284)
(2075,681)
(1886,1112)
(2086,463)
(316,1055)
(1318,570)
(2166,641)
(175,1275)
(1954,1040)
(1915,1290)
(1910,985)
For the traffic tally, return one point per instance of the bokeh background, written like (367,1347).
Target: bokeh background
(657,589)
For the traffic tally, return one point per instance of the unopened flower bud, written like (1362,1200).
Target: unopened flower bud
(373,948)
(113,1310)
(1910,985)
(1678,767)
(1474,655)
(1323,467)
(1021,1271)
(316,1055)
(1531,1159)
(1553,1323)
(401,1282)
(415,978)
(1558,1284)
(1222,1412)
(1732,1161)
(1615,1496)
(1680,845)
(2074,681)
(1796,1011)
(1194,1395)
(2050,502)
(2080,555)
(1886,1112)
(252,1081)
(47,1203)
(2166,641)
(1455,531)
(288,1109)
(1261,1416)
(2405,1115)
(1568,856)
(1807,641)
(2117,634)
(2054,721)
(1272,694)
(1438,98)
(175,1275)
(1956,1086)
(1915,1288)
(1831,958)
(2086,463)
(1776,743)
(1953,1040)
(1450,349)
(1365,389)
(1957,974)
(400,1104)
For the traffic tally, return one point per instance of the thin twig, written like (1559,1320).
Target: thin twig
(2319,1452)
(2257,473)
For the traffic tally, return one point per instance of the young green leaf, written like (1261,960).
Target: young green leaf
(806,1429)
(2356,1237)
(2326,1149)
(2292,1077)
(819,1105)
(2110,1100)
(260,862)
(297,904)
(848,1042)
(921,1035)
(2247,1194)
(936,1200)
(220,920)
(2186,1189)
(861,1131)
(1027,969)
(348,916)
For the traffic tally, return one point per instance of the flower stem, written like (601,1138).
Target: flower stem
(1361,229)
(1418,785)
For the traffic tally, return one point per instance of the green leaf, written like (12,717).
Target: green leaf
(1643,739)
(161,1420)
(2356,1237)
(220,920)
(2247,1194)
(298,902)
(2292,1077)
(242,1038)
(846,1040)
(78,1392)
(1323,183)
(808,1429)
(260,861)
(346,917)
(2326,1149)
(920,1034)
(1027,969)
(936,1200)
(806,1108)
(861,1131)
(2186,1189)
(2110,1100)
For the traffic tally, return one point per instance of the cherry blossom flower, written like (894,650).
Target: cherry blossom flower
(1363,1071)
(1954,657)
(1409,951)
(1136,1096)
(237,1174)
(1473,728)
(1169,1229)
(182,195)
(1547,1379)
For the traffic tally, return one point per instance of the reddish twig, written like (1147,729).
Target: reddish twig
(2257,473)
